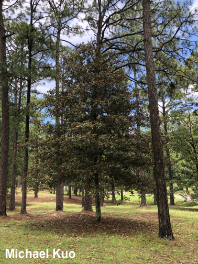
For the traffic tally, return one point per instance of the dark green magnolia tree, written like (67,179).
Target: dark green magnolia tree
(185,144)
(96,141)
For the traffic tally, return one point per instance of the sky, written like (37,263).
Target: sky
(194,5)
(46,85)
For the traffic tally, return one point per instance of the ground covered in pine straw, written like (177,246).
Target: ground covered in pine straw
(126,233)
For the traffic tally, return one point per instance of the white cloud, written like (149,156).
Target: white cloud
(190,91)
(45,86)
(86,36)
(194,5)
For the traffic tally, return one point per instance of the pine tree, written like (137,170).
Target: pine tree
(5,116)
(165,230)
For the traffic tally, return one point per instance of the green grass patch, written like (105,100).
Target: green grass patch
(126,234)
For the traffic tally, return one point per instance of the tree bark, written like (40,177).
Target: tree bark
(113,192)
(69,191)
(29,81)
(122,198)
(165,230)
(172,202)
(83,198)
(97,198)
(75,191)
(59,197)
(14,154)
(36,186)
(143,193)
(19,182)
(143,199)
(88,200)
(59,192)
(101,194)
(5,117)
(141,173)
(36,191)
(15,138)
(155,198)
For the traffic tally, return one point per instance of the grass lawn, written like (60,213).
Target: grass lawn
(126,234)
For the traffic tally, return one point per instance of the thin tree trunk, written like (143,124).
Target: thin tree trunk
(59,197)
(76,191)
(29,81)
(155,197)
(14,154)
(141,173)
(83,198)
(122,197)
(87,200)
(36,191)
(5,117)
(143,193)
(13,177)
(101,194)
(172,202)
(15,138)
(69,191)
(165,230)
(19,182)
(59,192)
(113,192)
(97,198)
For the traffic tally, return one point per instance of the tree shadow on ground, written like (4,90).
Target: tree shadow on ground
(184,209)
(81,224)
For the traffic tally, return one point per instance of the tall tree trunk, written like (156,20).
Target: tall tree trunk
(15,138)
(165,230)
(141,173)
(59,194)
(172,202)
(5,117)
(27,128)
(14,154)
